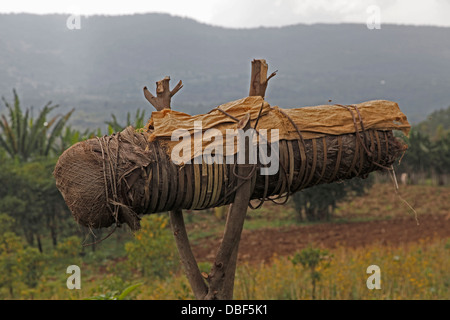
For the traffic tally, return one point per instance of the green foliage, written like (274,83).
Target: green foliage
(417,157)
(10,246)
(24,137)
(319,202)
(18,263)
(436,125)
(69,137)
(428,146)
(28,194)
(6,223)
(68,249)
(138,122)
(426,154)
(314,260)
(31,265)
(125,294)
(153,251)
(311,258)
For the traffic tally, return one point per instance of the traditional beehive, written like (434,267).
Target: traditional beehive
(115,179)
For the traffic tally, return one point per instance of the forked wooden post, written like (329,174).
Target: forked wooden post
(219,283)
(258,78)
(187,258)
(221,277)
(160,102)
(163,94)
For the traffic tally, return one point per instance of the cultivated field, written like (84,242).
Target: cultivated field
(375,229)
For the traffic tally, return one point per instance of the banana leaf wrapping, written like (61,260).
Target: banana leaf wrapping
(114,179)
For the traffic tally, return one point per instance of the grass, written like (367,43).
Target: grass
(417,271)
(414,271)
(381,202)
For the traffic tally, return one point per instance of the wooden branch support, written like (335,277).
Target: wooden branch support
(187,258)
(219,283)
(195,278)
(221,277)
(163,94)
(258,78)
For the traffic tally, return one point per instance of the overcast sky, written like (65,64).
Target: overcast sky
(254,13)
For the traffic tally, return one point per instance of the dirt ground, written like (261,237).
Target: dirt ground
(261,245)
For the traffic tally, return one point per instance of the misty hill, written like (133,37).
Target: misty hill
(101,68)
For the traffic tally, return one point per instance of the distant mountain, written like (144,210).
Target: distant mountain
(101,68)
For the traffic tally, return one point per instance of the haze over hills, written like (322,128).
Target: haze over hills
(101,68)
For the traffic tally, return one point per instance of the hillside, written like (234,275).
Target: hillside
(102,67)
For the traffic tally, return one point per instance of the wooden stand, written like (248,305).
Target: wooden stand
(219,283)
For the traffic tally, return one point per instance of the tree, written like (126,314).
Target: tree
(28,147)
(419,147)
(28,194)
(319,202)
(115,126)
(24,137)
(311,259)
(10,246)
(440,156)
(70,136)
(428,146)
(426,155)
(152,252)
(18,263)
(436,123)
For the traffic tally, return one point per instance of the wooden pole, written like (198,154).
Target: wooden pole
(220,281)
(190,266)
(221,277)
(187,258)
(258,78)
(163,94)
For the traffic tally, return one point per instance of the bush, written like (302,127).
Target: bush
(19,264)
(319,202)
(153,251)
(114,288)
(69,248)
(312,259)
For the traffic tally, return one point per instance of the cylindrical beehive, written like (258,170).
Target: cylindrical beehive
(115,179)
